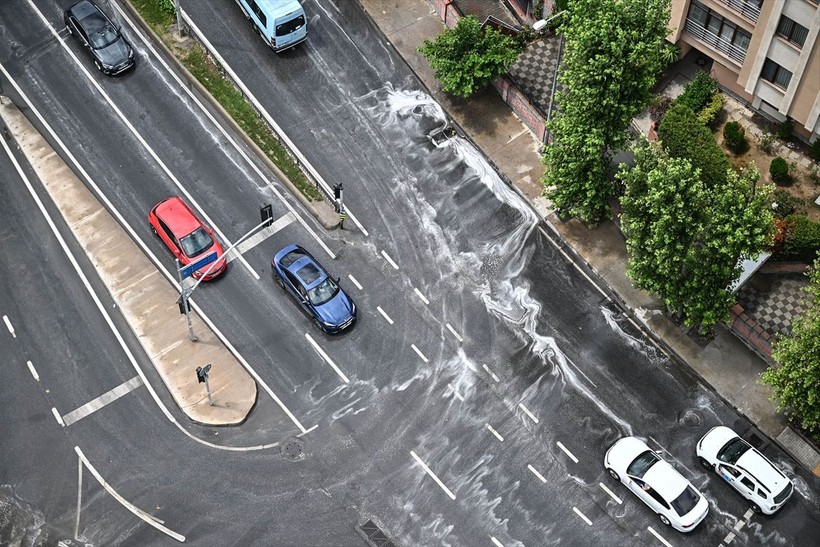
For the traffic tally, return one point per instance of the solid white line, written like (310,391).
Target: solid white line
(390,260)
(527,412)
(729,537)
(103,311)
(420,354)
(104,399)
(353,280)
(8,325)
(151,521)
(567,452)
(577,267)
(610,492)
(491,373)
(433,475)
(57,416)
(657,535)
(496,542)
(451,329)
(537,474)
(583,516)
(494,432)
(33,371)
(326,358)
(384,314)
(423,298)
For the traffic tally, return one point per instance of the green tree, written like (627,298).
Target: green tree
(685,238)
(795,381)
(467,58)
(614,52)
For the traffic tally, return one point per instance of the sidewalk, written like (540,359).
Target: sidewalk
(725,363)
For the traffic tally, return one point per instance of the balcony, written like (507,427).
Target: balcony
(749,10)
(700,32)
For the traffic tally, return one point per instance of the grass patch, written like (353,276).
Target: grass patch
(159,14)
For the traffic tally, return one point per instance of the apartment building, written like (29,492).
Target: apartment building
(766,52)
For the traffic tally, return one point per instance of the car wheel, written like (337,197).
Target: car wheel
(756,508)
(153,230)
(705,464)
(613,474)
(664,520)
(279,282)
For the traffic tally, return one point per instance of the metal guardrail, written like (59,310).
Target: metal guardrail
(721,44)
(743,7)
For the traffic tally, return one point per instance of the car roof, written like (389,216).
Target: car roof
(176,214)
(665,480)
(83,9)
(278,8)
(763,470)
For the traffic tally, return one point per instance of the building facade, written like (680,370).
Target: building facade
(766,52)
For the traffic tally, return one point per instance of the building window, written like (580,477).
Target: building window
(791,31)
(720,33)
(776,74)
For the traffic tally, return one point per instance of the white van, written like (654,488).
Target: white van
(281,23)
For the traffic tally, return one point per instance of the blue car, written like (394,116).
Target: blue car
(319,294)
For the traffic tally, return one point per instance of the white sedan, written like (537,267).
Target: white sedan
(656,483)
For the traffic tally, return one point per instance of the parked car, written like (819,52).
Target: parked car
(747,470)
(656,483)
(100,37)
(331,309)
(187,236)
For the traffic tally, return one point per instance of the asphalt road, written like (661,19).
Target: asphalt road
(486,314)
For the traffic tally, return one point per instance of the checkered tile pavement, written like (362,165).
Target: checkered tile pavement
(775,307)
(535,69)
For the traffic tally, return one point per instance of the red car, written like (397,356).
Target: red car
(187,236)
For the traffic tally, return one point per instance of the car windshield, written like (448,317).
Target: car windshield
(642,463)
(733,450)
(196,243)
(323,292)
(684,503)
(289,26)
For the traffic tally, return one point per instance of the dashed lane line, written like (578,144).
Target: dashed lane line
(452,330)
(7,321)
(58,417)
(527,412)
(433,475)
(567,452)
(390,260)
(384,314)
(354,281)
(421,296)
(496,542)
(104,399)
(728,539)
(494,432)
(419,353)
(536,473)
(33,370)
(583,516)
(610,492)
(491,373)
(657,535)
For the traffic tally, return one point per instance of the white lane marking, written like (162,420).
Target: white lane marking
(142,141)
(739,525)
(260,236)
(33,371)
(423,298)
(353,280)
(57,416)
(455,392)
(729,537)
(8,326)
(149,519)
(326,358)
(657,535)
(496,542)
(748,514)
(494,432)
(102,309)
(433,475)
(384,314)
(527,412)
(610,492)
(390,260)
(491,373)
(451,329)
(567,452)
(420,354)
(537,474)
(104,399)
(583,516)
(252,98)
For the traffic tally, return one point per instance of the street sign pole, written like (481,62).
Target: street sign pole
(186,308)
(202,374)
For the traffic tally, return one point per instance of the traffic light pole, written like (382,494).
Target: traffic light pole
(185,307)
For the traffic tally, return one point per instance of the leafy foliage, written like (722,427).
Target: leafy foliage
(803,243)
(658,106)
(814,151)
(735,136)
(467,58)
(785,129)
(794,382)
(779,170)
(614,53)
(683,136)
(709,112)
(697,93)
(784,203)
(766,142)
(685,237)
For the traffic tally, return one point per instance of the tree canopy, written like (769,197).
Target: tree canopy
(467,58)
(614,52)
(685,238)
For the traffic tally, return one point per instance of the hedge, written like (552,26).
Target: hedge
(779,170)
(735,136)
(697,93)
(683,136)
(803,244)
(709,112)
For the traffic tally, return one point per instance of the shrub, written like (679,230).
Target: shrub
(814,151)
(660,104)
(683,136)
(804,242)
(784,130)
(735,136)
(779,170)
(785,204)
(708,114)
(697,93)
(814,174)
(766,142)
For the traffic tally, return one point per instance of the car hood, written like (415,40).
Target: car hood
(115,53)
(337,310)
(715,439)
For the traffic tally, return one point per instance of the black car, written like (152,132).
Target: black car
(111,52)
